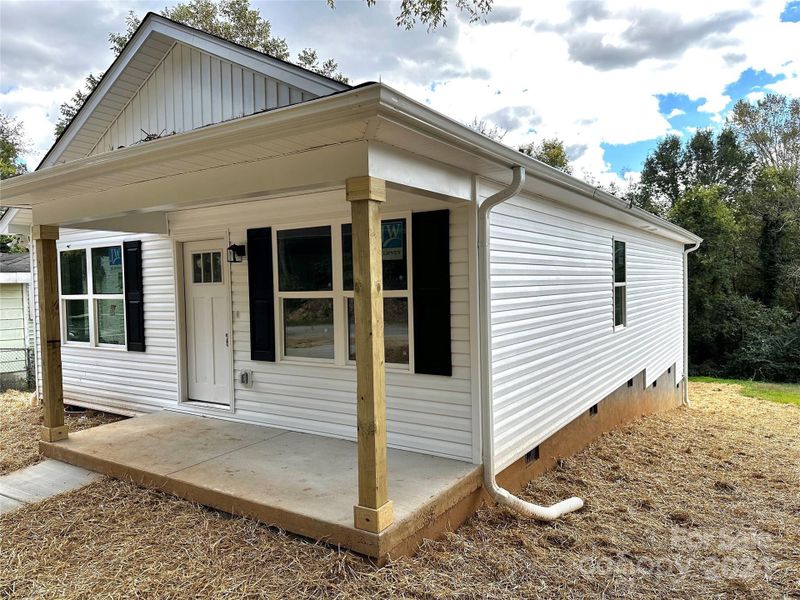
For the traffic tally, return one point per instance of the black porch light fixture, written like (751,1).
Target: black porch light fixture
(235,253)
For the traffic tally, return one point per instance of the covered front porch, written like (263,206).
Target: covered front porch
(354,493)
(299,482)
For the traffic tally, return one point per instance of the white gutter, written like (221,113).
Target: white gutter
(687,248)
(499,495)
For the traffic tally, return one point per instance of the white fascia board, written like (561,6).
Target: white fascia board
(6,220)
(324,167)
(358,103)
(406,169)
(460,136)
(15,278)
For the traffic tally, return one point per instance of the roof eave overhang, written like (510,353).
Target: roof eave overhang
(369,101)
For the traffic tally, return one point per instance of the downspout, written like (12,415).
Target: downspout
(499,495)
(687,248)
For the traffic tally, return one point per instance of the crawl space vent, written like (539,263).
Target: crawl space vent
(532,455)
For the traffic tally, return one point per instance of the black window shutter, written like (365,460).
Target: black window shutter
(134,295)
(430,233)
(262,295)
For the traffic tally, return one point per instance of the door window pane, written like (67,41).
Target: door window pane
(73,272)
(107,270)
(76,316)
(216,267)
(619,261)
(207,267)
(197,268)
(619,305)
(304,259)
(395,330)
(308,327)
(110,321)
(395,255)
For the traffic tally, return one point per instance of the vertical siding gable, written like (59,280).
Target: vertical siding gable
(191,89)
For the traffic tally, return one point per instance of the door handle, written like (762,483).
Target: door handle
(226,340)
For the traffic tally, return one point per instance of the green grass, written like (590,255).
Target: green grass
(783,393)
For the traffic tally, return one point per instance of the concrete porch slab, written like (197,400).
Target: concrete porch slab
(303,483)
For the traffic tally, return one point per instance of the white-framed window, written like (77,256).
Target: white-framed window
(92,296)
(314,293)
(620,284)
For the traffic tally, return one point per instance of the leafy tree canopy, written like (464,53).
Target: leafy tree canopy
(770,129)
(12,145)
(491,131)
(550,151)
(705,159)
(433,13)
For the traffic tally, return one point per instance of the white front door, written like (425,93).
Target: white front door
(207,335)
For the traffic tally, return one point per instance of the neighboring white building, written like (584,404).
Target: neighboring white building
(16,320)
(585,293)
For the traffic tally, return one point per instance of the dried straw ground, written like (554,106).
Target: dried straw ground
(19,429)
(701,502)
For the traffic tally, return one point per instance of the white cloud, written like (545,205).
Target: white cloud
(537,80)
(675,112)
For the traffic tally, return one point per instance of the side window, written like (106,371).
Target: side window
(395,290)
(305,290)
(92,296)
(620,285)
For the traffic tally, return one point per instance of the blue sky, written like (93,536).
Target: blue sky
(609,77)
(685,117)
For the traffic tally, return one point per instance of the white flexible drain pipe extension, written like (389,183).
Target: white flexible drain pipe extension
(498,494)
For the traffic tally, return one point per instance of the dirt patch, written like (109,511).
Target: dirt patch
(700,502)
(19,429)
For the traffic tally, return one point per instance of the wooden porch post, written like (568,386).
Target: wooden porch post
(374,509)
(44,237)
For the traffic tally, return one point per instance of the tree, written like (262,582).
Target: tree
(711,267)
(550,151)
(233,20)
(69,109)
(13,145)
(770,211)
(706,159)
(770,128)
(433,13)
(491,131)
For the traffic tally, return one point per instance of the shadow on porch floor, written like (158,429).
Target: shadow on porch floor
(303,483)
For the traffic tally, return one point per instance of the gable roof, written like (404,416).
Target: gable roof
(147,48)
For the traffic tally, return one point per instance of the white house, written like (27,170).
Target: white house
(205,227)
(16,321)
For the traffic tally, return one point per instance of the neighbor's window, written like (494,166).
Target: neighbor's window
(92,294)
(620,285)
(312,301)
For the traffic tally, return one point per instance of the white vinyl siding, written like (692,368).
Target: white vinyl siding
(554,349)
(190,89)
(13,326)
(425,413)
(109,377)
